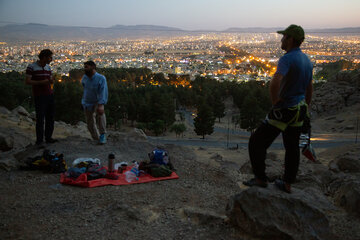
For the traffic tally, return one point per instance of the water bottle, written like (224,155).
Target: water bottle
(111,162)
(132,175)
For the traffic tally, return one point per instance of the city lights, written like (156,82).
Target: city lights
(228,56)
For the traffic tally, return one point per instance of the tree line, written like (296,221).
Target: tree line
(148,100)
(331,69)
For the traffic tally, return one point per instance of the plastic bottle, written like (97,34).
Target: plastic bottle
(111,162)
(132,175)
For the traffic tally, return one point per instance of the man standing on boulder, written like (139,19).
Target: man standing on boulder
(290,92)
(94,98)
(38,74)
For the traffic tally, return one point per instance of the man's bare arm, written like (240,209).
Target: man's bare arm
(28,81)
(308,93)
(275,88)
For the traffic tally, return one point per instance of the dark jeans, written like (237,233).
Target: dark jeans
(44,107)
(261,140)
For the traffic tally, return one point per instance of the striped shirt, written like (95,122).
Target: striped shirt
(38,73)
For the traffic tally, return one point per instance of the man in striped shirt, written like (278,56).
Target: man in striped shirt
(38,75)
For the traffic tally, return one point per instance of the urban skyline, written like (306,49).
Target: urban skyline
(223,56)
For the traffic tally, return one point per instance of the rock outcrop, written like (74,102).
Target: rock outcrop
(199,216)
(271,214)
(4,110)
(6,142)
(274,167)
(348,197)
(340,91)
(8,162)
(349,163)
(20,111)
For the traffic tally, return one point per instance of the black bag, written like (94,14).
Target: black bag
(50,161)
(156,170)
(56,160)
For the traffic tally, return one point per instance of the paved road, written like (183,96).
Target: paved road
(242,143)
(189,118)
(319,140)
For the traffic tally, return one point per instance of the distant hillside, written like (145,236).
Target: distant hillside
(272,30)
(335,30)
(146,27)
(252,30)
(35,31)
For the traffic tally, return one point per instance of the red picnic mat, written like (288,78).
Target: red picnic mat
(83,182)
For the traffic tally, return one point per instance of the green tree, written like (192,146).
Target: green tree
(179,129)
(331,69)
(182,116)
(218,108)
(14,92)
(250,113)
(162,106)
(67,96)
(205,120)
(159,78)
(236,120)
(114,114)
(141,125)
(157,127)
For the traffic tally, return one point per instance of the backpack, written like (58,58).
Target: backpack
(57,162)
(95,171)
(159,156)
(161,171)
(50,161)
(156,170)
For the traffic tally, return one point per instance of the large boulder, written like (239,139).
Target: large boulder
(81,127)
(8,162)
(348,197)
(13,139)
(33,115)
(314,175)
(348,162)
(134,135)
(340,91)
(4,110)
(81,124)
(274,168)
(271,214)
(21,111)
(200,216)
(6,142)
(139,134)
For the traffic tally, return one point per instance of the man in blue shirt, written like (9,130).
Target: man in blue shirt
(94,98)
(290,92)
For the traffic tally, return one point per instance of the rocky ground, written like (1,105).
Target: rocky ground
(35,206)
(208,201)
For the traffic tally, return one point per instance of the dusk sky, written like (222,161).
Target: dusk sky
(184,14)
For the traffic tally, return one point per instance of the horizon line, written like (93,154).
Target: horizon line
(7,23)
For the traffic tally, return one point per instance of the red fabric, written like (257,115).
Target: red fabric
(83,182)
(308,152)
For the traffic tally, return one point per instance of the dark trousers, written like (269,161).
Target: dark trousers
(261,140)
(44,107)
